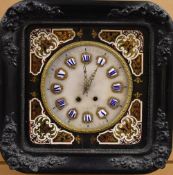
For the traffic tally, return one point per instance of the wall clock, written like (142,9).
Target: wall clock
(86,86)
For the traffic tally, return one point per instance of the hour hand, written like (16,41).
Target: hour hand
(86,59)
(85,90)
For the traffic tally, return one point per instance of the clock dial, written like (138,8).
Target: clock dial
(86,87)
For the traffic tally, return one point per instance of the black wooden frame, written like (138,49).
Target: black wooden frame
(148,159)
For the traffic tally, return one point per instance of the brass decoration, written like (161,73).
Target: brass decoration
(80,33)
(139,35)
(34,34)
(43,130)
(130,43)
(35,109)
(137,95)
(136,110)
(137,65)
(107,137)
(63,136)
(128,130)
(34,94)
(64,35)
(35,63)
(109,36)
(94,34)
(43,42)
(78,139)
(33,79)
(138,80)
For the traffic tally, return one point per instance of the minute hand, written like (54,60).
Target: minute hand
(85,79)
(91,78)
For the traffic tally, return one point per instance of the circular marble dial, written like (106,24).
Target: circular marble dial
(86,87)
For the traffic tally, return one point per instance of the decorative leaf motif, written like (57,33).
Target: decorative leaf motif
(45,44)
(164,49)
(19,160)
(128,128)
(10,50)
(148,10)
(128,45)
(160,150)
(15,15)
(44,129)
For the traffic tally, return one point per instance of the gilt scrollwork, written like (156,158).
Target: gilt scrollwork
(129,43)
(43,130)
(128,130)
(44,44)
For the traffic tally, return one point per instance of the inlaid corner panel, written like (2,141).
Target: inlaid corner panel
(86,86)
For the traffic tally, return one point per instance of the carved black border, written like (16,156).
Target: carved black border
(156,157)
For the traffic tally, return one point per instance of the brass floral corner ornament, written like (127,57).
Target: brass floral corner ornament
(65,78)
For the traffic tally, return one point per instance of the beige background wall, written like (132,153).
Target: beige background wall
(168,170)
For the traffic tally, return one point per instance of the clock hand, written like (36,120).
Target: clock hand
(91,79)
(85,79)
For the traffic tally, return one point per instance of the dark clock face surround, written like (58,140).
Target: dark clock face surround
(87,141)
(32,33)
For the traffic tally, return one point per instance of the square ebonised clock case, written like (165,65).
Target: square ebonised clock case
(86,86)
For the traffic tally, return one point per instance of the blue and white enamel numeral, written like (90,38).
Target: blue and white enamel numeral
(102,113)
(101,61)
(72,114)
(87,117)
(71,62)
(60,103)
(61,74)
(113,102)
(112,72)
(117,87)
(56,88)
(86,58)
